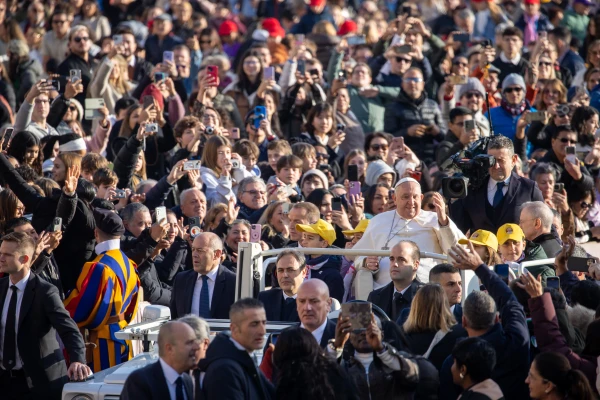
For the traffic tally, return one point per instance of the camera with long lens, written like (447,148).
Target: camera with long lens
(474,164)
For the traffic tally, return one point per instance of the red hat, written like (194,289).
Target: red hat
(273,26)
(317,3)
(347,27)
(532,1)
(152,90)
(227,28)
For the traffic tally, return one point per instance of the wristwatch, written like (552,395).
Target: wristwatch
(331,345)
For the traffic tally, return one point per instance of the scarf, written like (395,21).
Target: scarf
(514,110)
(530,28)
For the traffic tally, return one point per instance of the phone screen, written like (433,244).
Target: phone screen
(353,173)
(553,282)
(148,101)
(336,204)
(502,271)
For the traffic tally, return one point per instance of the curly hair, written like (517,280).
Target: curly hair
(300,359)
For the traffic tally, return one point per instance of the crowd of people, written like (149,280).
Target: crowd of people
(141,141)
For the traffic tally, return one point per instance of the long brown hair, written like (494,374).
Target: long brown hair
(126,130)
(9,202)
(430,311)
(210,153)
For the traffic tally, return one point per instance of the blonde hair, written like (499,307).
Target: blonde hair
(430,311)
(120,83)
(213,213)
(324,28)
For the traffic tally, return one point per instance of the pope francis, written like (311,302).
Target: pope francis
(431,231)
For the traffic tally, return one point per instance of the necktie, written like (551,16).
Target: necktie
(290,305)
(9,353)
(179,389)
(499,194)
(204,299)
(396,302)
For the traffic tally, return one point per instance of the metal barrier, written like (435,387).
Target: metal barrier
(251,268)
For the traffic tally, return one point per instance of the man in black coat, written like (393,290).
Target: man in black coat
(167,378)
(280,303)
(314,304)
(31,314)
(399,293)
(497,201)
(229,368)
(209,289)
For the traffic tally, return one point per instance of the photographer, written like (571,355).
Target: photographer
(458,137)
(496,201)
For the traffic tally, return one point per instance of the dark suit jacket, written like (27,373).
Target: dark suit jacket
(150,383)
(273,301)
(470,213)
(383,298)
(42,314)
(328,333)
(183,291)
(458,312)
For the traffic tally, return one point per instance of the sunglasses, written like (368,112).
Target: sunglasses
(416,80)
(323,156)
(473,94)
(81,39)
(513,89)
(567,140)
(377,147)
(460,63)
(401,60)
(584,205)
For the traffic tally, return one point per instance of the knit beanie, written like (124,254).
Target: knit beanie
(513,79)
(318,173)
(375,170)
(472,85)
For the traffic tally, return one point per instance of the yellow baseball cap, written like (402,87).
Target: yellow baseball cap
(510,231)
(360,228)
(321,228)
(482,238)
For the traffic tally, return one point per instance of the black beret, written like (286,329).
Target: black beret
(108,222)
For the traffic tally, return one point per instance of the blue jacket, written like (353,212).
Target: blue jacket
(310,19)
(327,268)
(154,49)
(573,62)
(504,123)
(510,339)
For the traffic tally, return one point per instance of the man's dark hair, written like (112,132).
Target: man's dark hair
(14,223)
(512,31)
(560,129)
(124,103)
(124,30)
(27,173)
(477,355)
(416,253)
(543,168)
(562,33)
(587,294)
(442,269)
(241,305)
(501,142)
(458,112)
(25,244)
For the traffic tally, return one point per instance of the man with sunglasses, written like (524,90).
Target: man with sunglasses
(572,172)
(79,58)
(506,116)
(470,95)
(55,43)
(399,62)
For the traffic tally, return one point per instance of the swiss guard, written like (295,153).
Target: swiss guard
(105,298)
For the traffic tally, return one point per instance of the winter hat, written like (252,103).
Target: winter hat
(574,91)
(260,35)
(375,170)
(152,90)
(348,26)
(472,85)
(318,173)
(513,79)
(79,107)
(273,26)
(70,142)
(227,28)
(18,48)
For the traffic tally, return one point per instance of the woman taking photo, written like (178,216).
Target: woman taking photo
(298,101)
(270,100)
(25,147)
(274,231)
(430,327)
(299,359)
(474,362)
(355,157)
(111,79)
(249,79)
(218,173)
(580,203)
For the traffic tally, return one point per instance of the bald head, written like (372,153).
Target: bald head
(408,199)
(193,203)
(313,303)
(177,345)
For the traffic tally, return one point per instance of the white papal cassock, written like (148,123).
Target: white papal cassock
(388,228)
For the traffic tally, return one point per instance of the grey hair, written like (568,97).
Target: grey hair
(501,142)
(543,168)
(131,209)
(466,13)
(247,303)
(186,191)
(246,181)
(296,254)
(479,310)
(539,209)
(142,185)
(214,241)
(200,326)
(240,221)
(580,316)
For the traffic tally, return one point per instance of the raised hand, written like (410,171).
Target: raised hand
(72,176)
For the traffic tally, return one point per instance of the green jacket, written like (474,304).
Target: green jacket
(370,112)
(534,251)
(576,23)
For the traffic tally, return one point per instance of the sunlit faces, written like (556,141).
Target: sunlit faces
(408,199)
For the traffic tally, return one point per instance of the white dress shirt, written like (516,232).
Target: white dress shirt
(171,376)
(285,296)
(20,291)
(402,291)
(493,187)
(114,244)
(513,61)
(212,277)
(318,333)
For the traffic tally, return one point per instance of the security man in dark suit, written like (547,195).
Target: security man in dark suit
(280,303)
(31,361)
(497,201)
(209,289)
(398,294)
(167,378)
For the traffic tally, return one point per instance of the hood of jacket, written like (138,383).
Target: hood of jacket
(405,99)
(375,170)
(30,65)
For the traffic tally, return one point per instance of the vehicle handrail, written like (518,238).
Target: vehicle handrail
(345,252)
(535,263)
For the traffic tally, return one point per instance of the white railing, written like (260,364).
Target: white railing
(535,263)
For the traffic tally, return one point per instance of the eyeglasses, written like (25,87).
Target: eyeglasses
(470,95)
(416,80)
(377,147)
(80,39)
(567,140)
(460,64)
(59,21)
(513,89)
(323,156)
(401,60)
(584,205)
(255,193)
